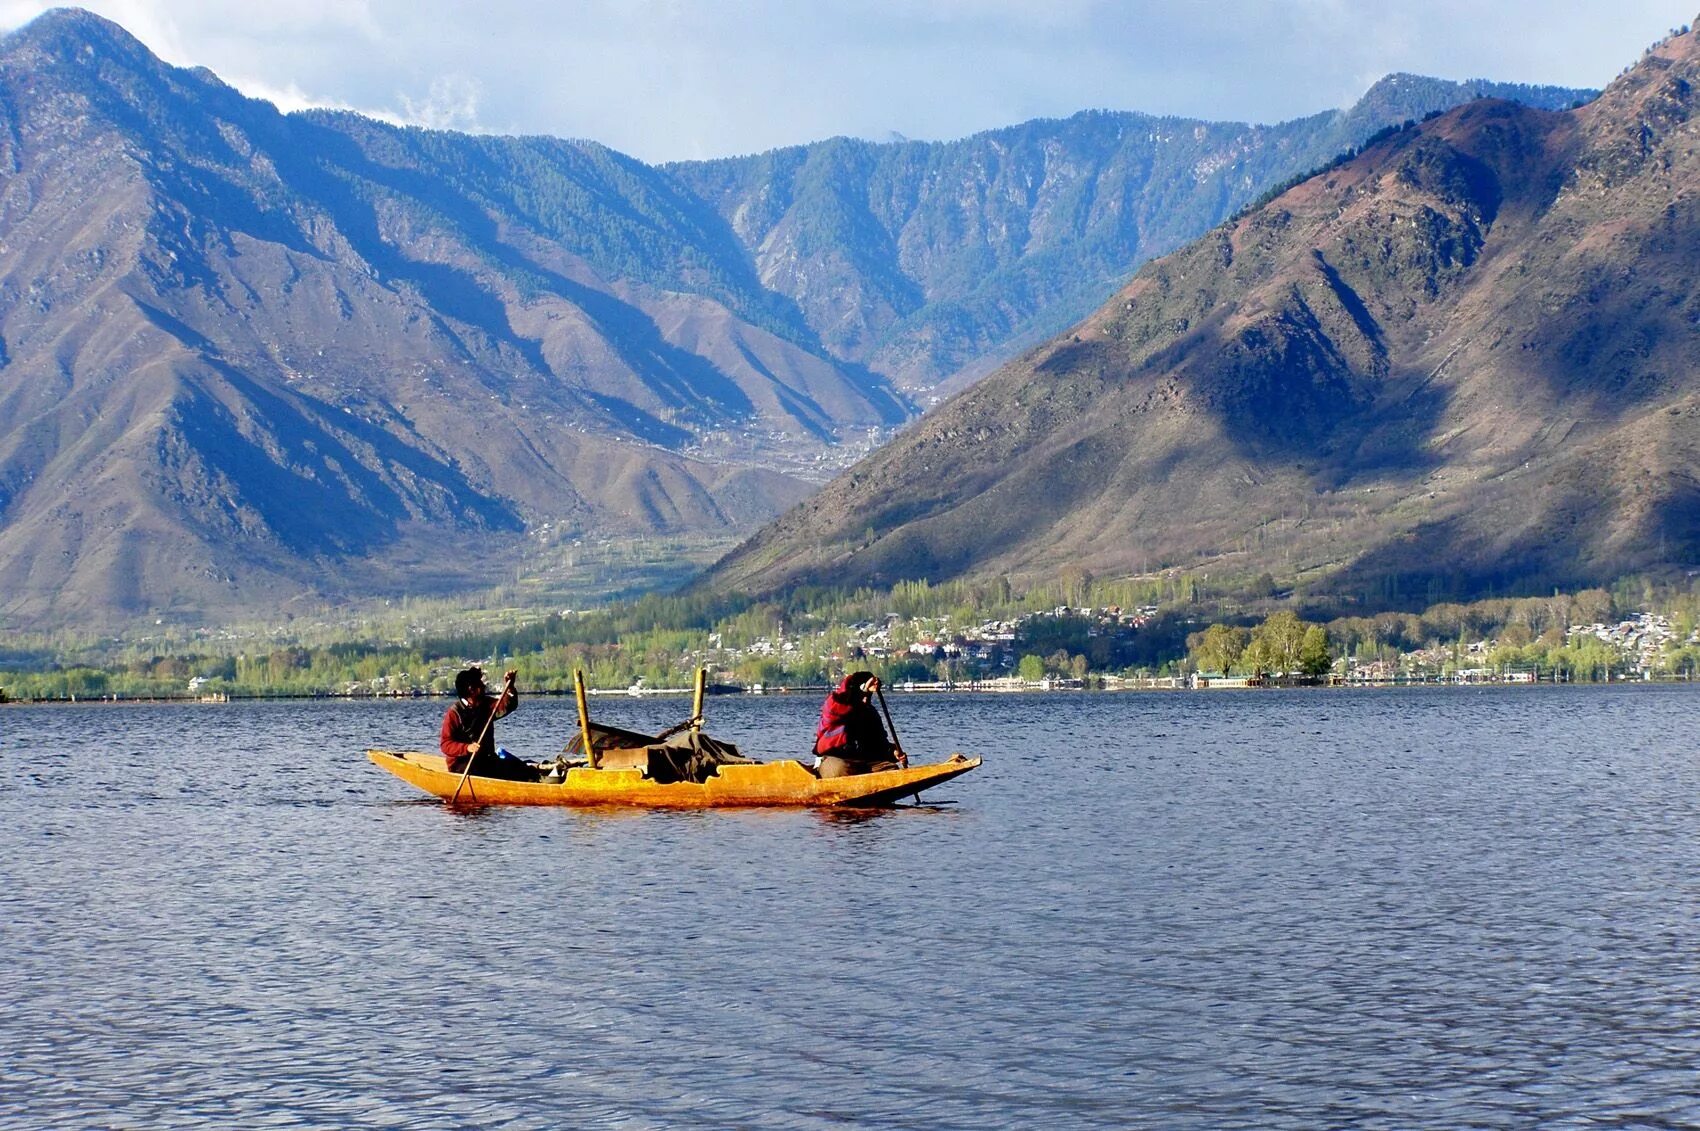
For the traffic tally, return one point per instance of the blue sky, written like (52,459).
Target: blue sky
(674,79)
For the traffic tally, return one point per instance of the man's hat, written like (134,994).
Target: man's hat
(469,681)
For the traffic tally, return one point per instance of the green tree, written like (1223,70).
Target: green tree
(1682,660)
(1315,655)
(1076,585)
(1218,648)
(1276,643)
(1031,668)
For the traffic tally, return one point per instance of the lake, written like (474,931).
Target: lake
(1435,908)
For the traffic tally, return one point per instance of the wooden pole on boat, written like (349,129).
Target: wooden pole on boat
(507,685)
(696,701)
(902,758)
(584,719)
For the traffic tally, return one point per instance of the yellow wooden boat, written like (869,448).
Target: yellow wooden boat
(621,767)
(749,784)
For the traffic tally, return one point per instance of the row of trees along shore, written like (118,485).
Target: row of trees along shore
(1283,644)
(1074,626)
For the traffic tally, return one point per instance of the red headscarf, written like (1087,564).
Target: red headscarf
(839,710)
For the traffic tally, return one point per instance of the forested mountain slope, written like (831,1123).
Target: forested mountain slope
(933,260)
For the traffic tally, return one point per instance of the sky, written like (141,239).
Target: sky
(687,79)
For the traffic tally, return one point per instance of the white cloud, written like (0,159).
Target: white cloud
(292,98)
(451,104)
(666,79)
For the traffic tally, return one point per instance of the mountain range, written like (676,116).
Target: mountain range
(248,357)
(1465,361)
(933,262)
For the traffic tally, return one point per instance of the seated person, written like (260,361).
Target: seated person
(469,729)
(850,738)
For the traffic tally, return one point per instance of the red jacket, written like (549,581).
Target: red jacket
(463,722)
(849,725)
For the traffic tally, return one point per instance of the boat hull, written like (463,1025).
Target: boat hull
(756,784)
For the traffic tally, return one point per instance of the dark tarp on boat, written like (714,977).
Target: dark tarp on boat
(674,756)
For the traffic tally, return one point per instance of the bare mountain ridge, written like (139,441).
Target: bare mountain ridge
(958,253)
(248,353)
(1467,360)
(247,357)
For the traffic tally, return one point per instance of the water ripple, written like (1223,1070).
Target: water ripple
(1471,908)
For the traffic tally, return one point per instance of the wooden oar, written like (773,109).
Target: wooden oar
(696,701)
(902,758)
(588,743)
(473,757)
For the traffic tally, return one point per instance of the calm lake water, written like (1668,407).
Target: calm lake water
(1439,908)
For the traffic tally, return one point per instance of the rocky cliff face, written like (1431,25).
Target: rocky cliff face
(1466,360)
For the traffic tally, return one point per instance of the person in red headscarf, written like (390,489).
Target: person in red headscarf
(850,738)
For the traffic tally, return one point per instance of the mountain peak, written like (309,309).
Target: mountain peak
(63,31)
(1414,96)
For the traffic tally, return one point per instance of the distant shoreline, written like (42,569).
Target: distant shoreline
(1071,688)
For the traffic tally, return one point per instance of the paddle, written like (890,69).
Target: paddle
(902,758)
(507,686)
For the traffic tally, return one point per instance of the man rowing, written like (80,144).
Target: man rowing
(469,729)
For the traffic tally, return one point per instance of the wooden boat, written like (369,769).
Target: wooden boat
(751,784)
(621,767)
